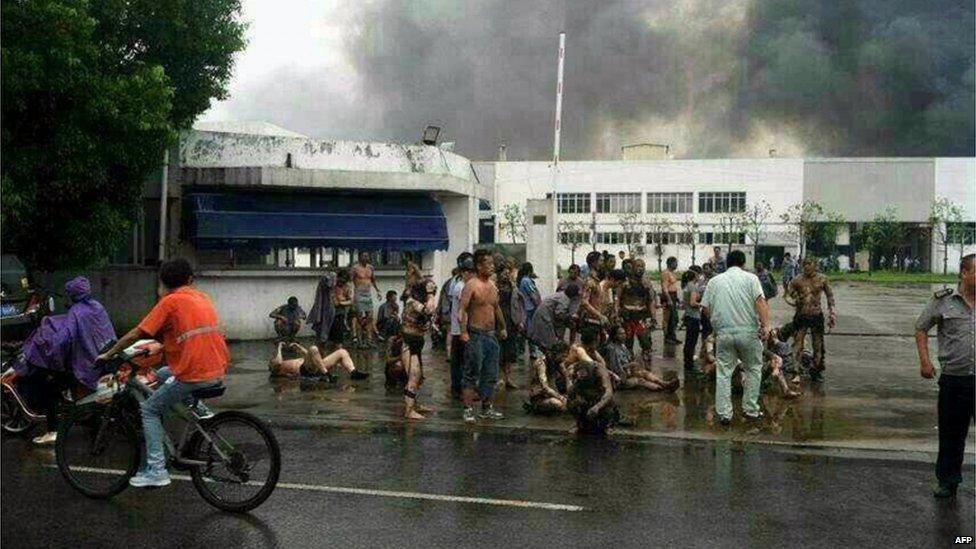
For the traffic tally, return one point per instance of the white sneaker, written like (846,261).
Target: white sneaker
(46,438)
(144,479)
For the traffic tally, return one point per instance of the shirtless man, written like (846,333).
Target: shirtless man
(364,280)
(341,301)
(637,306)
(804,294)
(412,276)
(595,307)
(669,299)
(418,315)
(544,397)
(480,317)
(310,362)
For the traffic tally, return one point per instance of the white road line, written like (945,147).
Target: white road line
(381,493)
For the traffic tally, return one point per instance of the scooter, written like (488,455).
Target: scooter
(18,417)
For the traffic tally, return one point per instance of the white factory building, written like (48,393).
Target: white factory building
(598,201)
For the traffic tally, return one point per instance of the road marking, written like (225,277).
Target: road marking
(378,493)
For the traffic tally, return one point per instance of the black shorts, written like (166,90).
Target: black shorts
(339,331)
(415,343)
(814,323)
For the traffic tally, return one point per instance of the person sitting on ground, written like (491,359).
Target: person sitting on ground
(388,317)
(778,363)
(396,373)
(288,318)
(590,399)
(631,374)
(544,397)
(310,362)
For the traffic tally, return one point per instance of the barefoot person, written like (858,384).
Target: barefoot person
(512,304)
(636,303)
(480,317)
(951,311)
(418,316)
(310,362)
(632,374)
(396,373)
(805,295)
(778,363)
(342,298)
(590,399)
(544,397)
(364,284)
(670,301)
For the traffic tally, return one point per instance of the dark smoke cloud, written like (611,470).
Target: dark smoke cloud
(833,77)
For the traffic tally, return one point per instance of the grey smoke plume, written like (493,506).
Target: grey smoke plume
(828,77)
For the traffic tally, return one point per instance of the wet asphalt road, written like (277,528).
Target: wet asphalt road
(714,494)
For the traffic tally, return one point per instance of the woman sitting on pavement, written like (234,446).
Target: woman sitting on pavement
(631,374)
(590,399)
(544,398)
(310,363)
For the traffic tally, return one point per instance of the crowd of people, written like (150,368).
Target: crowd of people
(582,344)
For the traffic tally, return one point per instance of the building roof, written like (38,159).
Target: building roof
(252,127)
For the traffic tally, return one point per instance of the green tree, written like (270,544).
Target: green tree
(656,228)
(753,222)
(882,235)
(944,217)
(800,218)
(573,235)
(690,228)
(515,223)
(92,94)
(730,227)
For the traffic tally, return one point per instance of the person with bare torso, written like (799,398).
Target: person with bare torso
(418,314)
(637,307)
(805,295)
(364,283)
(480,317)
(670,301)
(596,308)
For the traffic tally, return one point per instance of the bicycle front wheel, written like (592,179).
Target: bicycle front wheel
(242,461)
(97,452)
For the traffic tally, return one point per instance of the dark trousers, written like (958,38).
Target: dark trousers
(956,410)
(42,391)
(692,329)
(457,363)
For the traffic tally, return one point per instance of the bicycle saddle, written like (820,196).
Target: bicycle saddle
(209,392)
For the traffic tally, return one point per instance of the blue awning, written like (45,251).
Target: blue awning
(360,222)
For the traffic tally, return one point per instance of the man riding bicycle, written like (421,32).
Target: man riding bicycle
(185,320)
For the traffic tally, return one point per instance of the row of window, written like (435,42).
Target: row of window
(623,203)
(651,238)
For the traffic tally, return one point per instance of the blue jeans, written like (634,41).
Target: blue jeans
(170,392)
(481,354)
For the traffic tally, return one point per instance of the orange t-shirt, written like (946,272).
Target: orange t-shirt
(187,321)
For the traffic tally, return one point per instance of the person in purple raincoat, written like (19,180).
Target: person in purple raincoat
(62,352)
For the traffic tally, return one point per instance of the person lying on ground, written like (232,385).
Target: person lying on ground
(310,362)
(778,363)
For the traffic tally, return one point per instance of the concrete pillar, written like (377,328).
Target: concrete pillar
(540,242)
(462,230)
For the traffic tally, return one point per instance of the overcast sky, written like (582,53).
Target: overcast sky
(733,78)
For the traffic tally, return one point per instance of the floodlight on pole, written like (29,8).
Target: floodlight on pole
(430,135)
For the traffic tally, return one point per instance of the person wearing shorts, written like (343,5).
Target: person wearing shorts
(364,284)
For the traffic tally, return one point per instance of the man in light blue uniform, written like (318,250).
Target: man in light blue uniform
(739,315)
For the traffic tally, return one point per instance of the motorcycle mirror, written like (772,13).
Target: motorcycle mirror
(50,304)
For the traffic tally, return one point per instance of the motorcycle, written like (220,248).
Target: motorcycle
(19,417)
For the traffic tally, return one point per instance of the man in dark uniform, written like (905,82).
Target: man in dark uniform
(952,312)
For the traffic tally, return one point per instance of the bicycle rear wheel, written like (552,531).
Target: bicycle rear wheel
(97,452)
(242,463)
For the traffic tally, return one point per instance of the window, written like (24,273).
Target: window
(669,202)
(720,238)
(669,238)
(618,203)
(721,202)
(574,238)
(962,233)
(571,203)
(609,238)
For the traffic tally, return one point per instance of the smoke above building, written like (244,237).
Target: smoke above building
(712,79)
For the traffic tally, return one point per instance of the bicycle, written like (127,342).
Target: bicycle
(99,444)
